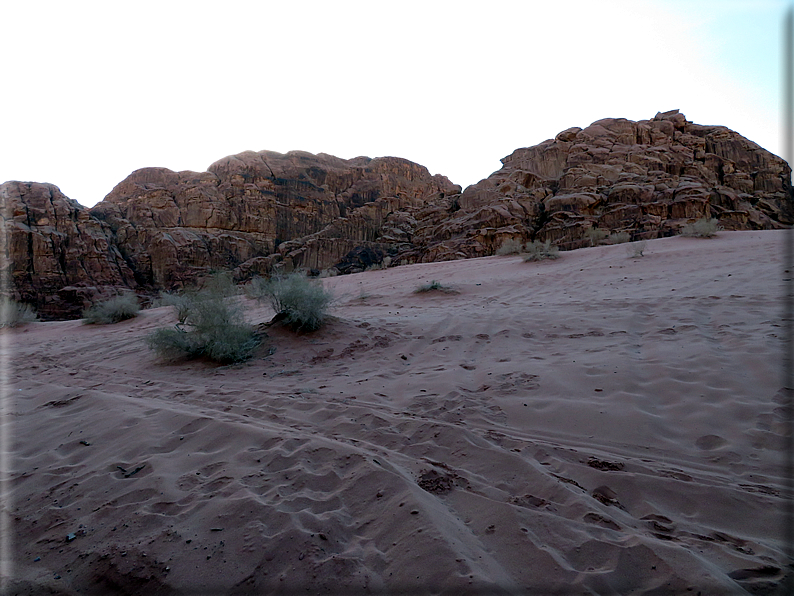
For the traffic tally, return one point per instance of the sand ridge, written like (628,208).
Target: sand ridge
(594,424)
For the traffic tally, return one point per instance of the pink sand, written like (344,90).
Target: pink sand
(594,424)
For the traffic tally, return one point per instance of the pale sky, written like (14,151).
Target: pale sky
(95,90)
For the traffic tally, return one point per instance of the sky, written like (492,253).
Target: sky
(96,90)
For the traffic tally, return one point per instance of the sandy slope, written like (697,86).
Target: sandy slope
(595,424)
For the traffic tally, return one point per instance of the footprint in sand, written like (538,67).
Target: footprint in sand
(600,520)
(709,442)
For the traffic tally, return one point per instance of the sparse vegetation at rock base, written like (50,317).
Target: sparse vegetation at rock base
(702,228)
(113,310)
(538,251)
(13,313)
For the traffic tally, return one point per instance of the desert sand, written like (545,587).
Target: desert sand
(591,425)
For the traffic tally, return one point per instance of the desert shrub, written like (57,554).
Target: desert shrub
(118,308)
(181,302)
(510,246)
(302,304)
(702,228)
(537,251)
(635,249)
(595,235)
(619,237)
(435,286)
(432,286)
(209,325)
(13,313)
(217,285)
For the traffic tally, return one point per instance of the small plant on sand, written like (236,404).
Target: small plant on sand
(635,250)
(595,235)
(118,308)
(13,313)
(702,228)
(537,251)
(619,237)
(210,324)
(432,286)
(300,303)
(510,246)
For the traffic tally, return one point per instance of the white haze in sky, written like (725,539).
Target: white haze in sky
(95,90)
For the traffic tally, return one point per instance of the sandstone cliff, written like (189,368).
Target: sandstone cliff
(56,255)
(647,178)
(257,211)
(262,212)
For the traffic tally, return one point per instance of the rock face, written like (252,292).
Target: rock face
(256,212)
(56,255)
(647,178)
(259,213)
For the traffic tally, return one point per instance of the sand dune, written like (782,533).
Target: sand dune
(591,425)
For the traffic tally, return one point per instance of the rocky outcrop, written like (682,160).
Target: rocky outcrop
(56,255)
(647,178)
(257,213)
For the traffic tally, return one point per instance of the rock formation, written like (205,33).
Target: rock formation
(254,212)
(647,178)
(258,213)
(157,229)
(56,255)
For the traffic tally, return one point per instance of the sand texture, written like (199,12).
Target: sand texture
(591,425)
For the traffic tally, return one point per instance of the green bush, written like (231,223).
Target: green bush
(209,325)
(510,246)
(118,308)
(595,235)
(13,313)
(537,251)
(702,228)
(299,302)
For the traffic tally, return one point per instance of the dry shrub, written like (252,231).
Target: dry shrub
(510,246)
(210,324)
(619,237)
(13,313)
(702,228)
(635,250)
(302,304)
(118,308)
(435,286)
(596,235)
(537,251)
